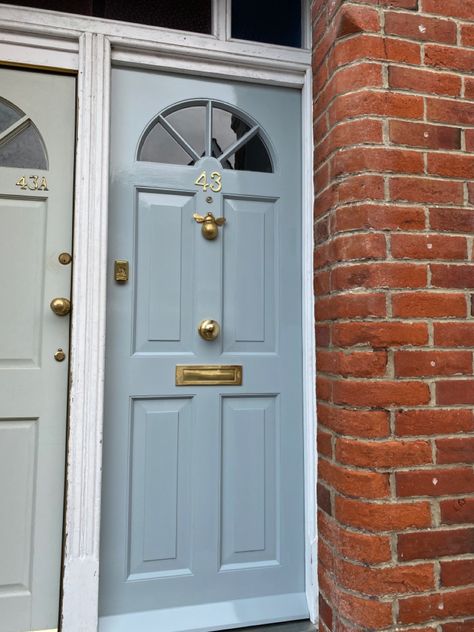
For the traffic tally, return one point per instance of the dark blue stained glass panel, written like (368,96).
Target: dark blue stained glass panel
(269,21)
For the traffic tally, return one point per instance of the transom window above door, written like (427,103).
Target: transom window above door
(184,134)
(268,21)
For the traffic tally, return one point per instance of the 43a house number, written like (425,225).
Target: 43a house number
(32,183)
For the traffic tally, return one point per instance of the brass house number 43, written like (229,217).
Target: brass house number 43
(32,183)
(214,182)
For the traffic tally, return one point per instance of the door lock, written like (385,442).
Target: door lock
(59,356)
(210,225)
(61,306)
(209,329)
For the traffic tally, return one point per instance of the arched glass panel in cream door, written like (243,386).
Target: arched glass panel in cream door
(37,115)
(202,515)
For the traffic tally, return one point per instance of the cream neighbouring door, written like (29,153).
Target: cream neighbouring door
(37,129)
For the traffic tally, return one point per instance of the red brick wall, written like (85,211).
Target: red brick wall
(394,220)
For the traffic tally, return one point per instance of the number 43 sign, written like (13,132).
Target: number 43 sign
(214,183)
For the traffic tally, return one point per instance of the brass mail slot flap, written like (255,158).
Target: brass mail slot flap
(208,375)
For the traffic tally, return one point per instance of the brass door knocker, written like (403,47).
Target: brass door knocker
(210,224)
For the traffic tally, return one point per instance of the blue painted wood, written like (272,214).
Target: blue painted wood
(202,518)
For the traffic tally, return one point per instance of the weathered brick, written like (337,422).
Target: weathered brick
(463,9)
(379,275)
(381,393)
(424,135)
(452,276)
(360,159)
(435,543)
(429,305)
(434,421)
(350,133)
(325,612)
(383,517)
(416,80)
(383,454)
(459,334)
(454,220)
(346,306)
(420,27)
(457,573)
(452,392)
(435,482)
(409,246)
(361,547)
(358,423)
(355,364)
(451,165)
(457,511)
(449,111)
(373,47)
(459,626)
(367,103)
(354,483)
(385,581)
(380,334)
(432,363)
(424,608)
(455,450)
(467,35)
(324,442)
(367,216)
(426,190)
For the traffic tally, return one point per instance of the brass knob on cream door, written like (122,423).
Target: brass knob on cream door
(60,306)
(209,329)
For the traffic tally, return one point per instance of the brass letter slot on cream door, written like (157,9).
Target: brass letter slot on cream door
(208,375)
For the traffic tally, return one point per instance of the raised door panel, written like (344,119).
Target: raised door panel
(250,284)
(160,484)
(21,262)
(164,272)
(249,520)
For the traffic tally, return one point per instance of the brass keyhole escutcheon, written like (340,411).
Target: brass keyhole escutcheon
(61,306)
(210,225)
(209,329)
(59,356)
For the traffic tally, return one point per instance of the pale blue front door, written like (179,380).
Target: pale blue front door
(203,510)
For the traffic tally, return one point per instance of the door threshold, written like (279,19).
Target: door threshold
(304,625)
(222,615)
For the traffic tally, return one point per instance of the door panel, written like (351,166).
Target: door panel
(249,533)
(36,178)
(250,291)
(202,517)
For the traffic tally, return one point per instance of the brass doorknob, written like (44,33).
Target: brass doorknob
(209,329)
(60,306)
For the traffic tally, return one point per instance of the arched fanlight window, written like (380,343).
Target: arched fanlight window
(184,134)
(21,144)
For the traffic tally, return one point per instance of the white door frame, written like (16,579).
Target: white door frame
(88,47)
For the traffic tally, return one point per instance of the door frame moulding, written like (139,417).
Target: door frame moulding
(89,47)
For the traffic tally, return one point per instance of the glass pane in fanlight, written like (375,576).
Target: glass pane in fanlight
(190,123)
(227,128)
(8,115)
(25,149)
(159,146)
(253,156)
